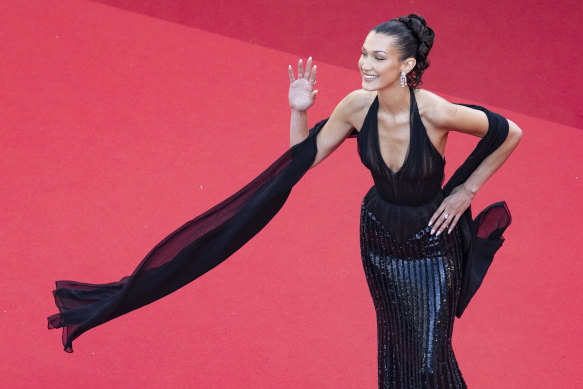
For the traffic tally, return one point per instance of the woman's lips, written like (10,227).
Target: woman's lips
(369,77)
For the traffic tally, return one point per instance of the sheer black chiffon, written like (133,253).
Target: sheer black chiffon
(206,241)
(187,253)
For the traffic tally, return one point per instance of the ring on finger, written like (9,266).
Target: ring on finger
(445,215)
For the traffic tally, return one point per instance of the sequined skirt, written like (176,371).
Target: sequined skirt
(415,285)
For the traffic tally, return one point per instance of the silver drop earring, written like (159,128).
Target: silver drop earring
(403,79)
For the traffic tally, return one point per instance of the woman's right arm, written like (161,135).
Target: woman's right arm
(301,98)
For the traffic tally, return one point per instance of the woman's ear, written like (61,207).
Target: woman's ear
(408,65)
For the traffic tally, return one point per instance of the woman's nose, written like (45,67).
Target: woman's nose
(365,64)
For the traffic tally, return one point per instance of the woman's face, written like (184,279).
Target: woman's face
(379,62)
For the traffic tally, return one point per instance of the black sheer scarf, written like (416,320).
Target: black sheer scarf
(483,235)
(187,253)
(209,239)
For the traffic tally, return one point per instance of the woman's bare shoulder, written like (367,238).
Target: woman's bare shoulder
(443,115)
(355,106)
(428,102)
(359,99)
(432,108)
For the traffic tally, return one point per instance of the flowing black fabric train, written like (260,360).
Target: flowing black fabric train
(206,241)
(187,253)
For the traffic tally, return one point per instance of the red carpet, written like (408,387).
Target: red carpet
(118,127)
(500,53)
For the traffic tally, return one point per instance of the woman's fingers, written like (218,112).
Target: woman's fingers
(439,223)
(450,211)
(309,73)
(443,221)
(301,93)
(444,224)
(313,75)
(300,69)
(442,218)
(290,71)
(308,68)
(436,215)
(453,223)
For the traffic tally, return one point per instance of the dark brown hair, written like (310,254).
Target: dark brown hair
(414,39)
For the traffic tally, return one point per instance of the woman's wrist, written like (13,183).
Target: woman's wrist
(298,126)
(299,118)
(298,112)
(470,189)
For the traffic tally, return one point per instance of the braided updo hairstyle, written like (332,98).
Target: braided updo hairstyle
(413,39)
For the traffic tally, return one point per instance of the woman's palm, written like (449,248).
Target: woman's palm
(301,90)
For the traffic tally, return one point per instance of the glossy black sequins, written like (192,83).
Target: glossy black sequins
(415,287)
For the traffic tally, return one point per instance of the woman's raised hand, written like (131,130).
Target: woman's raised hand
(301,90)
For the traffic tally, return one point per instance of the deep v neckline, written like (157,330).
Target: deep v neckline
(378,139)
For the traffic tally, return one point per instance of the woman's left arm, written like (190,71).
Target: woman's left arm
(453,117)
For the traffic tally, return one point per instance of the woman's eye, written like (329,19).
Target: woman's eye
(379,58)
(363,54)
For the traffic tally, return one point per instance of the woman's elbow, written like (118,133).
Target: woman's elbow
(514,132)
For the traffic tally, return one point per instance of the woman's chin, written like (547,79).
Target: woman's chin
(368,86)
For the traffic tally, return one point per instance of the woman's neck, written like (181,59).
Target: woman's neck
(394,99)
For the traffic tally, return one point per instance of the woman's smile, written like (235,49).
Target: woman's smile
(369,77)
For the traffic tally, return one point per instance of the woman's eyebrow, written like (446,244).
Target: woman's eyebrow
(376,51)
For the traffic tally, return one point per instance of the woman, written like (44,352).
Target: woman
(411,243)
(410,236)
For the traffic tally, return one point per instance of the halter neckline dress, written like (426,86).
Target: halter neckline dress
(414,278)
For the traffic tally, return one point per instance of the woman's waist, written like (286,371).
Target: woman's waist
(374,197)
(408,192)
(401,221)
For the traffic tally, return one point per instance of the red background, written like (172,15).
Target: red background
(119,126)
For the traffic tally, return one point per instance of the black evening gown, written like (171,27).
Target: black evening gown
(414,277)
